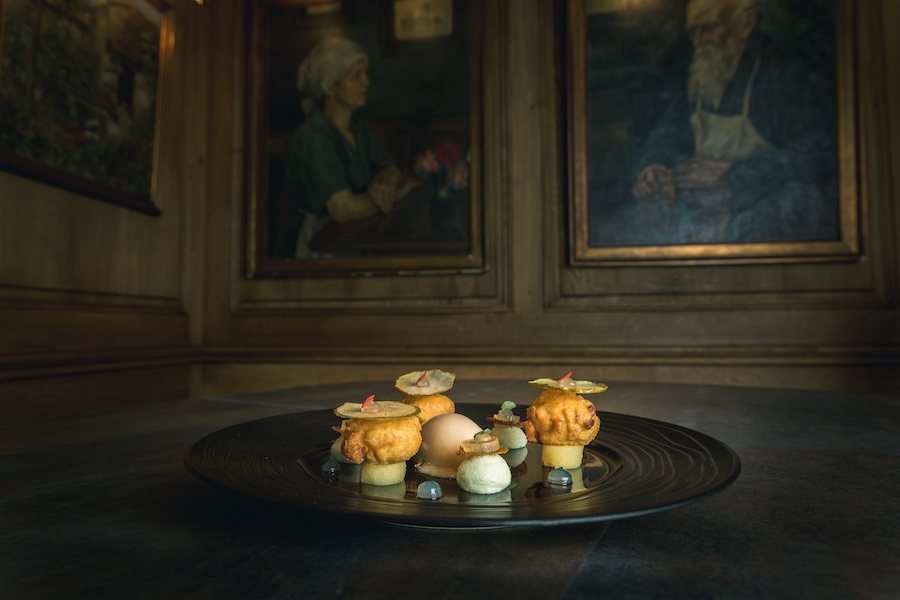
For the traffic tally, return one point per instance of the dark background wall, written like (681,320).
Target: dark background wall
(101,306)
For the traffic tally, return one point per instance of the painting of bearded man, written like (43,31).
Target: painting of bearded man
(744,152)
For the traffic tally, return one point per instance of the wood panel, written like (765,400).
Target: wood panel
(856,370)
(94,298)
(51,239)
(52,395)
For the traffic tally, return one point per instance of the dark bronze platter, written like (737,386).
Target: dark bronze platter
(634,467)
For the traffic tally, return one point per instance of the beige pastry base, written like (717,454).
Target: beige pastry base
(375,474)
(565,457)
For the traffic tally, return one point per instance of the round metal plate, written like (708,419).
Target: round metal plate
(635,466)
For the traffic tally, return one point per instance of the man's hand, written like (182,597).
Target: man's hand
(655,182)
(383,188)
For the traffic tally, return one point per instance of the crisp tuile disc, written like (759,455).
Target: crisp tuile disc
(569,385)
(389,410)
(435,382)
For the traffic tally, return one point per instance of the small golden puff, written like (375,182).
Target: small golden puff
(431,405)
(561,419)
(381,441)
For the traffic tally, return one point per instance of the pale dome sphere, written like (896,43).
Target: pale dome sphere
(441,438)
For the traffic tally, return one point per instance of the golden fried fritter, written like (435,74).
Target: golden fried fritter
(381,441)
(561,419)
(431,405)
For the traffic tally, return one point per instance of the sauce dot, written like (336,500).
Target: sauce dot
(331,466)
(559,476)
(429,490)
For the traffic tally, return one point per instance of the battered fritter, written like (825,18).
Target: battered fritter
(381,441)
(561,419)
(431,405)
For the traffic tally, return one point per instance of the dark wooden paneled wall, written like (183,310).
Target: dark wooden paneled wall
(170,314)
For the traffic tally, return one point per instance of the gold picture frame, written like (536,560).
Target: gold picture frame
(627,64)
(424,98)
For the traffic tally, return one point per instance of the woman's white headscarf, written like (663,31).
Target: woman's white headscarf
(326,63)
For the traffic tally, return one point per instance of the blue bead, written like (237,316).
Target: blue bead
(559,476)
(429,490)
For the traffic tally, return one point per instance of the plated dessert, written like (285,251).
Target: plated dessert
(380,437)
(385,438)
(285,459)
(562,420)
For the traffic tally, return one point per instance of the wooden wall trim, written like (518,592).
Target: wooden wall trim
(67,382)
(834,373)
(780,356)
(92,391)
(65,363)
(14,296)
(17,367)
(881,218)
(42,365)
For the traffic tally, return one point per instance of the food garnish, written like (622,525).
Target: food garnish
(370,409)
(567,384)
(482,443)
(564,377)
(419,383)
(505,416)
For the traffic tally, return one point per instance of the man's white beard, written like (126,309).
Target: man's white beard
(712,69)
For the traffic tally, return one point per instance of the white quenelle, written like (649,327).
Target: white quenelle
(483,471)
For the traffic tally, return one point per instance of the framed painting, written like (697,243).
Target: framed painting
(80,89)
(711,131)
(364,138)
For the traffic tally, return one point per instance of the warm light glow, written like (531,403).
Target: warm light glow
(422,19)
(323,9)
(612,6)
(149,12)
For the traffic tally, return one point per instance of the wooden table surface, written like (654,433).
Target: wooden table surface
(100,505)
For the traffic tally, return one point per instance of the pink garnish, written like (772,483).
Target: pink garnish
(370,406)
(564,377)
(421,378)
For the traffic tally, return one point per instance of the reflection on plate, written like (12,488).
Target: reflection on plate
(635,466)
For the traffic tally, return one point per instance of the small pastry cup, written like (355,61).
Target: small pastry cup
(565,457)
(382,474)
